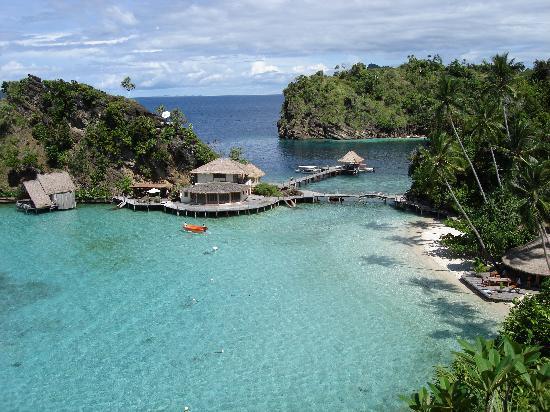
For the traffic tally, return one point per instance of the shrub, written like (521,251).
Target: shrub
(266,189)
(529,321)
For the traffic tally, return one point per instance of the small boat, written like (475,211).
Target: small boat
(363,168)
(194,228)
(308,169)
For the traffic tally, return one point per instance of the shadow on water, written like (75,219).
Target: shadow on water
(406,240)
(380,260)
(463,317)
(378,226)
(431,286)
(17,295)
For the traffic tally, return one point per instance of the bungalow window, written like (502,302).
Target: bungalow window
(224,197)
(211,198)
(235,197)
(219,175)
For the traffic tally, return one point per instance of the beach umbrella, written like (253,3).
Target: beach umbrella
(165,115)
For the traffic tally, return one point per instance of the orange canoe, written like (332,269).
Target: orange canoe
(194,228)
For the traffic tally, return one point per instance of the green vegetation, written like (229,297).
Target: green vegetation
(266,189)
(363,101)
(99,139)
(529,321)
(236,154)
(489,376)
(488,150)
(511,373)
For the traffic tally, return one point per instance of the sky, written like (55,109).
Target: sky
(213,47)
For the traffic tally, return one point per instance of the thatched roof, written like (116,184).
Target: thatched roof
(253,171)
(227,166)
(56,183)
(221,165)
(216,187)
(528,259)
(351,157)
(37,194)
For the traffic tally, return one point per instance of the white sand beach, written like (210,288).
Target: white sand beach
(428,232)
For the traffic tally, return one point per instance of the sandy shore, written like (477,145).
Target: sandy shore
(427,233)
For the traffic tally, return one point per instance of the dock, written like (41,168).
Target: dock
(256,204)
(329,171)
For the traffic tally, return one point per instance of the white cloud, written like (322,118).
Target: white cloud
(314,68)
(118,15)
(261,67)
(257,46)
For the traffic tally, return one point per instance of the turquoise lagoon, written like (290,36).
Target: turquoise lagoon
(322,307)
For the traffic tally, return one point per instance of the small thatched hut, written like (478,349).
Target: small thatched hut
(351,158)
(352,162)
(528,260)
(51,191)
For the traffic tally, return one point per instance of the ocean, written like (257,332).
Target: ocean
(320,307)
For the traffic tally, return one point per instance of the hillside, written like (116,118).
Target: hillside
(103,141)
(364,102)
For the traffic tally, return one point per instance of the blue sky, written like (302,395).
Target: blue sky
(252,46)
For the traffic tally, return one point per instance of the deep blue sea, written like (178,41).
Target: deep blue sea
(320,307)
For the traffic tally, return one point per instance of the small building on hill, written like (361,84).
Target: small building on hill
(49,191)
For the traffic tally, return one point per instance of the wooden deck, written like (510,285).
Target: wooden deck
(493,293)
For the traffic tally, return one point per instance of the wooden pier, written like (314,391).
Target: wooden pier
(327,172)
(256,204)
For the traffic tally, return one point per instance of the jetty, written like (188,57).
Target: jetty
(222,192)
(326,172)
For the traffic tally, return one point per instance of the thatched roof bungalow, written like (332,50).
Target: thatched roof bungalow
(215,193)
(227,170)
(528,259)
(51,191)
(351,158)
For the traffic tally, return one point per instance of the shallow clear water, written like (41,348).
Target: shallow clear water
(319,307)
(322,307)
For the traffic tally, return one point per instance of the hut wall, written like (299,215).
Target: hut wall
(185,197)
(64,200)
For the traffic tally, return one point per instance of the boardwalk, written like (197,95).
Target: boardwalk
(310,178)
(256,204)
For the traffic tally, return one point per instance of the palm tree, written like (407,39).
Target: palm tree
(487,128)
(532,184)
(444,161)
(520,142)
(448,87)
(501,76)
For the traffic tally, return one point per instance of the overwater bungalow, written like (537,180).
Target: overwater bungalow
(221,181)
(49,191)
(353,163)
